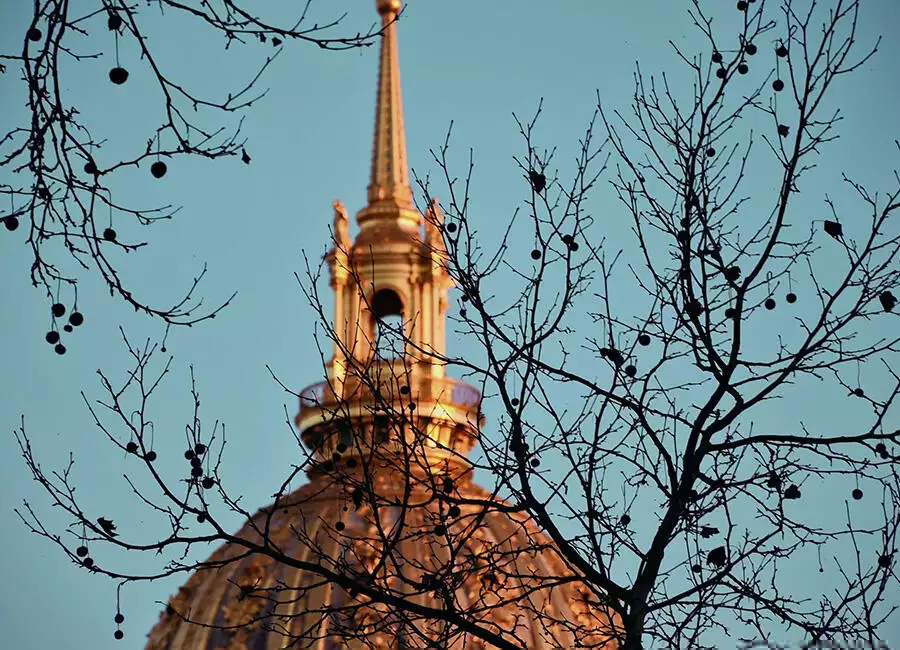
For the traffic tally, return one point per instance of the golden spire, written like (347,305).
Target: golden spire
(389,182)
(394,267)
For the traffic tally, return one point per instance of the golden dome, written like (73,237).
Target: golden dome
(390,544)
(490,566)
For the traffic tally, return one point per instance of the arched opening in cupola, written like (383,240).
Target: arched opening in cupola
(387,324)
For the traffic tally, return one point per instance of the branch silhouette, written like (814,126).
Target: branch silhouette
(643,491)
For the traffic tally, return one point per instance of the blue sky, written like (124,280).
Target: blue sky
(470,62)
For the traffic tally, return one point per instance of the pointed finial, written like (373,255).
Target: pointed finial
(389,182)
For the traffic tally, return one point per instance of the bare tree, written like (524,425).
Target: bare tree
(60,172)
(680,430)
(673,510)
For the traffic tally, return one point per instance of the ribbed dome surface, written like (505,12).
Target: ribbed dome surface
(484,562)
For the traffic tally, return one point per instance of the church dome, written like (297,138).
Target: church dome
(485,563)
(390,544)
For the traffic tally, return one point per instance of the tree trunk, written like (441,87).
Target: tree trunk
(633,624)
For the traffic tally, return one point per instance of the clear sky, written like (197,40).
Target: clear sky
(467,61)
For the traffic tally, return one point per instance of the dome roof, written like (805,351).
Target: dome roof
(486,562)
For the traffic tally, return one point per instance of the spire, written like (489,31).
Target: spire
(389,182)
(386,380)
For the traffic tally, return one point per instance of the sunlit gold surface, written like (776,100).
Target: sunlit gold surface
(508,576)
(387,6)
(389,181)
